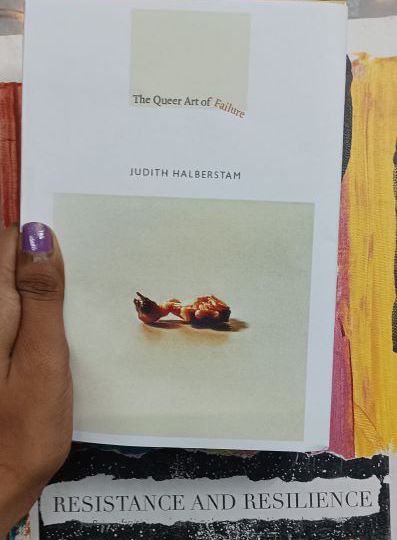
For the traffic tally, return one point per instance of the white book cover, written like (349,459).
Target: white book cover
(188,155)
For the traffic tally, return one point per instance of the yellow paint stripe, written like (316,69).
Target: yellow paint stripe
(372,237)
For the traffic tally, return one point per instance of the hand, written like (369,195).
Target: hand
(35,379)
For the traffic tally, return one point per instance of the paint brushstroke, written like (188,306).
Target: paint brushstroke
(348,118)
(342,430)
(371,228)
(22,531)
(394,314)
(342,424)
(10,158)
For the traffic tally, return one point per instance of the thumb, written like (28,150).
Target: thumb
(40,282)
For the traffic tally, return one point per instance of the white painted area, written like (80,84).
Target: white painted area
(376,37)
(11,58)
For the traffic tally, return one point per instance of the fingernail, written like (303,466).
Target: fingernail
(36,238)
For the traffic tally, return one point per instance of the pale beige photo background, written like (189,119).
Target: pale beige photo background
(185,382)
(178,54)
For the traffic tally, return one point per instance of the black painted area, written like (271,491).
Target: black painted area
(348,119)
(356,528)
(165,463)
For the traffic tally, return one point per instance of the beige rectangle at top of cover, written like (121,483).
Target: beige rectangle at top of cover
(190,54)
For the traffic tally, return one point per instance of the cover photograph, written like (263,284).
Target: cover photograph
(188,156)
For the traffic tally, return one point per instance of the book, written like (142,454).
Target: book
(188,155)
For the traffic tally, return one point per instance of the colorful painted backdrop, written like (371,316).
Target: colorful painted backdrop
(366,287)
(364,411)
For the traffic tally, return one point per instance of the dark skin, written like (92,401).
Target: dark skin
(35,379)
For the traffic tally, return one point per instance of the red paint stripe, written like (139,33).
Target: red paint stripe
(342,419)
(10,152)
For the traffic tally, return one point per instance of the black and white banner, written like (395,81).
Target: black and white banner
(182,495)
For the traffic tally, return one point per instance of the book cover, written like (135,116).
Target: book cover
(189,155)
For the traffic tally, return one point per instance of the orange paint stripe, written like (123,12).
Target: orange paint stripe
(10,143)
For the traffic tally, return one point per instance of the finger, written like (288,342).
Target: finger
(9,298)
(40,283)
